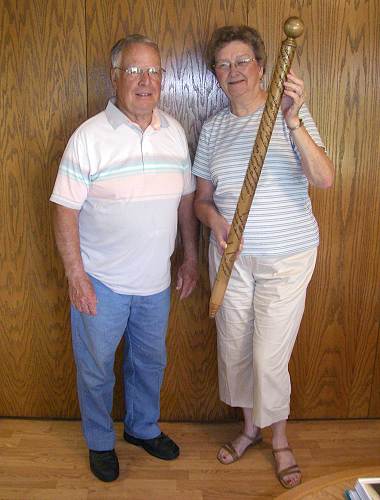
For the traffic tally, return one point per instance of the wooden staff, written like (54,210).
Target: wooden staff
(293,28)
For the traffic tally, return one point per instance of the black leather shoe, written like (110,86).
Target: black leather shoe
(104,465)
(160,447)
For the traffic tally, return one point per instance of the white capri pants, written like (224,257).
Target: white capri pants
(257,326)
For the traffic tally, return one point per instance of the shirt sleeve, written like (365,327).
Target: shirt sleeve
(310,126)
(188,178)
(73,177)
(201,167)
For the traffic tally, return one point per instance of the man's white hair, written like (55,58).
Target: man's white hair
(123,43)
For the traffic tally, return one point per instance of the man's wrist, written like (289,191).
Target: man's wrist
(76,273)
(193,257)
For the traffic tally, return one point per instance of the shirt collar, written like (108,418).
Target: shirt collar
(116,117)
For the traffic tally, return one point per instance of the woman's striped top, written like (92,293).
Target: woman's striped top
(281,220)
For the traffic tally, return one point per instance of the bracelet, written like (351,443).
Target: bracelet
(300,124)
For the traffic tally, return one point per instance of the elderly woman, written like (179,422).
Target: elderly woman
(258,322)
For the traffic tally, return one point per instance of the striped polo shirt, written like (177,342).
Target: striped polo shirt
(127,185)
(281,220)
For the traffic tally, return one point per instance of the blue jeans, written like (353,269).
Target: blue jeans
(142,320)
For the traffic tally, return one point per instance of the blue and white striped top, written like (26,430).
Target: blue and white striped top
(281,220)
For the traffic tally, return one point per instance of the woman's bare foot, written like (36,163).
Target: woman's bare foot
(232,451)
(287,470)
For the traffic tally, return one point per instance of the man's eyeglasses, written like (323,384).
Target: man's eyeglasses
(137,72)
(240,63)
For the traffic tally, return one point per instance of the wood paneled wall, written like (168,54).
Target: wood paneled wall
(43,98)
(54,59)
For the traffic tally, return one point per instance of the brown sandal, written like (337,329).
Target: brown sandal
(228,447)
(281,474)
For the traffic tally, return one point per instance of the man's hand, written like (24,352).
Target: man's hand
(187,278)
(82,294)
(81,291)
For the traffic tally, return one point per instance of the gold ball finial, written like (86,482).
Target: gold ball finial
(293,27)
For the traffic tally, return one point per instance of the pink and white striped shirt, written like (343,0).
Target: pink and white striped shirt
(127,185)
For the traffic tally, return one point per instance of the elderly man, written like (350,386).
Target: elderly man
(123,183)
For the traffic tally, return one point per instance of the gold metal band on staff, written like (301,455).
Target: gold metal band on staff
(293,28)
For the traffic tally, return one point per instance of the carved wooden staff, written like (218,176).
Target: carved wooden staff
(293,28)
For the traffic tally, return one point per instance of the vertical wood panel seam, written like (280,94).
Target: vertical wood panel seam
(373,382)
(377,352)
(86,52)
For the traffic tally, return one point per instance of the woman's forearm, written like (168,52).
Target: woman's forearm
(316,165)
(207,213)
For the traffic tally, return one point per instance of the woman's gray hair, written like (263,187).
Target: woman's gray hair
(124,43)
(226,34)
